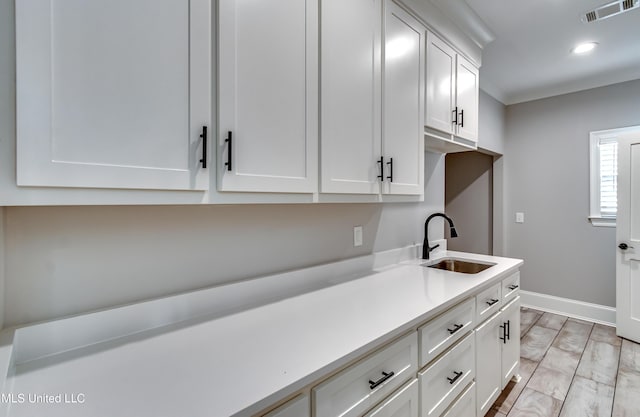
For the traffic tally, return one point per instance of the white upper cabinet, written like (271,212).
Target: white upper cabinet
(467,96)
(371,125)
(267,104)
(403,108)
(113,93)
(441,72)
(452,91)
(350,50)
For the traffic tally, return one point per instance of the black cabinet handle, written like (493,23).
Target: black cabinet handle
(385,376)
(455,116)
(504,337)
(455,378)
(381,162)
(203,135)
(513,286)
(390,163)
(508,335)
(229,141)
(462,118)
(492,301)
(455,328)
(624,246)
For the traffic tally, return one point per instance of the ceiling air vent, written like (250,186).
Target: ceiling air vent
(609,9)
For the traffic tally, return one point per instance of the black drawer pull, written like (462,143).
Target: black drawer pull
(492,302)
(513,286)
(462,118)
(381,162)
(455,378)
(203,135)
(385,376)
(455,328)
(390,176)
(229,141)
(505,333)
(455,116)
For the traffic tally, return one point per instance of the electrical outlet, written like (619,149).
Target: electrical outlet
(519,217)
(357,236)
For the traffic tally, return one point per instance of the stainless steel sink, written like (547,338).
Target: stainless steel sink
(458,265)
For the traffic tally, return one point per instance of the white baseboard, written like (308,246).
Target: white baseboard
(567,307)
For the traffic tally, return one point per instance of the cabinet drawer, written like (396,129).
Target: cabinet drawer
(487,303)
(297,407)
(445,379)
(357,388)
(510,288)
(402,404)
(443,331)
(465,405)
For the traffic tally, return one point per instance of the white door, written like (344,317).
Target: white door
(350,114)
(628,238)
(267,63)
(113,93)
(467,91)
(441,66)
(403,103)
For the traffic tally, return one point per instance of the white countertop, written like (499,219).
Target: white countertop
(237,365)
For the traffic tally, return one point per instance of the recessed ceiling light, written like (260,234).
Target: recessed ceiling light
(583,48)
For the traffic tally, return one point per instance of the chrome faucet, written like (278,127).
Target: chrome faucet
(426,249)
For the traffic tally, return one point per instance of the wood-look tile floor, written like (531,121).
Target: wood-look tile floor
(571,368)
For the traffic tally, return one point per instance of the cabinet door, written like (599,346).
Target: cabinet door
(511,349)
(350,120)
(267,86)
(441,66)
(403,92)
(467,90)
(112,93)
(488,363)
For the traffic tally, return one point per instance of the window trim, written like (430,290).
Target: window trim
(595,217)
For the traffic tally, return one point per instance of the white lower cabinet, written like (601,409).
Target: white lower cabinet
(447,368)
(497,354)
(402,404)
(447,377)
(488,362)
(298,407)
(511,347)
(356,389)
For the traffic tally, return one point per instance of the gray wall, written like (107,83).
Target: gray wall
(547,177)
(2,267)
(468,201)
(68,260)
(491,139)
(491,124)
(474,188)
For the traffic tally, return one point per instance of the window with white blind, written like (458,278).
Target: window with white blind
(604,177)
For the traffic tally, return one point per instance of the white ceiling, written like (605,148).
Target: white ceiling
(530,57)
